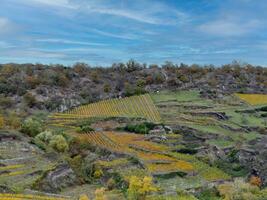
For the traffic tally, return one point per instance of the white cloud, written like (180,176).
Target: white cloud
(5,45)
(62,41)
(31,53)
(229,28)
(145,12)
(121,36)
(150,12)
(53,3)
(5,25)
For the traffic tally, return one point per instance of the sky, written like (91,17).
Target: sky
(102,32)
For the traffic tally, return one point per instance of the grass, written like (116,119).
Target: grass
(221,143)
(113,163)
(179,96)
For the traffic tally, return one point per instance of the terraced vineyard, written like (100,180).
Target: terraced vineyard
(157,158)
(135,106)
(253,99)
(6,196)
(21,164)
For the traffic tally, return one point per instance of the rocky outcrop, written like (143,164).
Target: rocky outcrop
(254,156)
(58,178)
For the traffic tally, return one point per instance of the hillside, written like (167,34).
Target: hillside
(174,142)
(29,87)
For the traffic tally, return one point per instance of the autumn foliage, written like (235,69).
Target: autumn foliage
(139,188)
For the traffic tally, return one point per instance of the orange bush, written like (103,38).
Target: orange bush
(255,180)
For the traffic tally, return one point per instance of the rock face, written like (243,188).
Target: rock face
(158,130)
(254,157)
(60,177)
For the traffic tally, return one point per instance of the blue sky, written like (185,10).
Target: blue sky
(101,32)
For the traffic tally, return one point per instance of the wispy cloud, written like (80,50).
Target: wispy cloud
(64,41)
(53,3)
(113,35)
(140,13)
(229,28)
(5,45)
(102,31)
(5,25)
(32,53)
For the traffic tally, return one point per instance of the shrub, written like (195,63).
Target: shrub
(6,102)
(31,127)
(100,194)
(140,188)
(29,99)
(98,173)
(83,197)
(143,128)
(255,180)
(84,129)
(13,121)
(44,136)
(111,184)
(59,143)
(107,88)
(240,190)
(2,123)
(159,78)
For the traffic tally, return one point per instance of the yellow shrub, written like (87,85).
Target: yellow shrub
(2,123)
(98,173)
(100,194)
(83,197)
(140,188)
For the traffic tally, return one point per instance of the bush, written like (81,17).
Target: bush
(31,127)
(29,99)
(59,143)
(2,123)
(142,128)
(107,88)
(111,184)
(240,190)
(83,197)
(6,102)
(84,129)
(255,180)
(12,120)
(98,173)
(44,136)
(140,188)
(100,194)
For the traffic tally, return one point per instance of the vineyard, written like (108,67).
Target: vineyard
(136,106)
(156,158)
(6,196)
(253,99)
